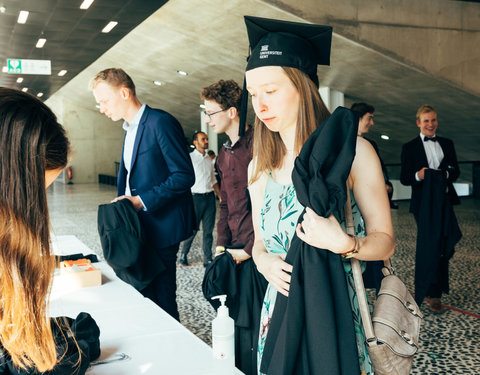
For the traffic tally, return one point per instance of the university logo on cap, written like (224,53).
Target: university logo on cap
(264,52)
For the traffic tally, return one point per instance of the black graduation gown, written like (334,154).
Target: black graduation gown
(312,331)
(245,289)
(438,233)
(87,336)
(122,241)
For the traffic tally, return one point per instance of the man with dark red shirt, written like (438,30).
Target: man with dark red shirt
(234,228)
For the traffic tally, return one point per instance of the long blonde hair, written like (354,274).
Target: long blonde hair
(268,147)
(25,330)
(31,141)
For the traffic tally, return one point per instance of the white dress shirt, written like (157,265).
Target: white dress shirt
(204,173)
(131,133)
(434,153)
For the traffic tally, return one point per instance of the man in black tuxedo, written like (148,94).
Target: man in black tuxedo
(424,157)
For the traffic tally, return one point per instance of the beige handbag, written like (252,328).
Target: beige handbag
(393,332)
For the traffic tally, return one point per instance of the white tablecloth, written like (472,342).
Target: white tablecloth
(131,324)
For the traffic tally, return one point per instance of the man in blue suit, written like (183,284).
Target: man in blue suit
(155,174)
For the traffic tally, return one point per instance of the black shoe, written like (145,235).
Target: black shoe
(183,260)
(393,206)
(207,263)
(435,305)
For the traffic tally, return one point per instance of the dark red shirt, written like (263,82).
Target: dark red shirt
(235,227)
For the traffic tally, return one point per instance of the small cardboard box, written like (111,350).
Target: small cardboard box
(79,273)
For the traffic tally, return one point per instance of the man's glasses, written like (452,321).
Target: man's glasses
(213,113)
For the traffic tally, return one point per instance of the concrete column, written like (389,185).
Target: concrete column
(331,98)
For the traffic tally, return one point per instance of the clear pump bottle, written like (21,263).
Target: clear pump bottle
(223,332)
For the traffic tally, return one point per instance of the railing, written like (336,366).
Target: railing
(107,179)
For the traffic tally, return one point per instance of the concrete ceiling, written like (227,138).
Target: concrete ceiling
(74,36)
(207,39)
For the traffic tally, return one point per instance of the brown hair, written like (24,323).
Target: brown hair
(268,147)
(114,77)
(226,93)
(32,142)
(425,109)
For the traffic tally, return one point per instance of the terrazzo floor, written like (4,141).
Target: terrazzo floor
(450,342)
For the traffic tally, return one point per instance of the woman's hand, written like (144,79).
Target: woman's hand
(324,233)
(275,270)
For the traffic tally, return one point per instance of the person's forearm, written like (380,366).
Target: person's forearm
(258,250)
(224,234)
(216,189)
(375,246)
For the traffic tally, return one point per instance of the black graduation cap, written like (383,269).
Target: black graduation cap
(283,43)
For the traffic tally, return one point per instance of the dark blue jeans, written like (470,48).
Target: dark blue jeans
(205,208)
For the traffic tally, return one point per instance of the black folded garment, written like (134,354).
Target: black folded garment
(92,257)
(72,359)
(245,289)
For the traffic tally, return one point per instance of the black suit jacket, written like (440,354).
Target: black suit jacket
(414,158)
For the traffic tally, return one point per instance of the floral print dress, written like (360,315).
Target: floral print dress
(278,219)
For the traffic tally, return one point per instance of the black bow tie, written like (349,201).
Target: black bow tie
(433,139)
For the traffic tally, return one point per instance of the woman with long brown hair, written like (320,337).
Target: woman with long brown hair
(281,77)
(34,151)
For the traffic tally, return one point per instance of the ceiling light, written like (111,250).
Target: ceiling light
(4,69)
(19,80)
(157,83)
(182,73)
(40,94)
(86,4)
(2,9)
(41,42)
(62,72)
(25,89)
(22,16)
(383,136)
(202,106)
(109,27)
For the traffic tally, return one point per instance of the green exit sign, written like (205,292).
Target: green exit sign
(26,66)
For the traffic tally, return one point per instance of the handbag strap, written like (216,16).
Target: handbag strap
(357,276)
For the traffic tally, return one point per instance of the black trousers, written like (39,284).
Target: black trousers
(440,282)
(163,289)
(205,209)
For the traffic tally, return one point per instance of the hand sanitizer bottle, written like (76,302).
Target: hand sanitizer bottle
(223,331)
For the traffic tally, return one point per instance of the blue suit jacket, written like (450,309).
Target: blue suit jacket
(162,174)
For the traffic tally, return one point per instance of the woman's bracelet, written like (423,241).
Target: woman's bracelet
(354,251)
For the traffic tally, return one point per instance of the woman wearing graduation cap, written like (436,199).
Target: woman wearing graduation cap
(303,161)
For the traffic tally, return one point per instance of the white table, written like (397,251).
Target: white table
(131,324)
